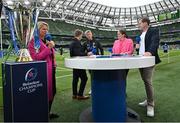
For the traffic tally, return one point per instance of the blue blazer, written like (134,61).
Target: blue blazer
(152,43)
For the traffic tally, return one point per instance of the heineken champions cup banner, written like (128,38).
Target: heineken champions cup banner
(25,97)
(22,22)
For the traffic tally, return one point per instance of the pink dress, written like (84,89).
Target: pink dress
(123,46)
(47,55)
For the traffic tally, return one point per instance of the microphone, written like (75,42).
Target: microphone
(110,50)
(48,37)
(138,39)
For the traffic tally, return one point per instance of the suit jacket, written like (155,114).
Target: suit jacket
(152,43)
(76,49)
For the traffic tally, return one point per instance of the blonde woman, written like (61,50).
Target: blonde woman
(46,52)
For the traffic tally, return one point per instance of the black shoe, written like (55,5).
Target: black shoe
(74,97)
(52,116)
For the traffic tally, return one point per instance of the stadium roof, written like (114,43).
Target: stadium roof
(124,3)
(96,15)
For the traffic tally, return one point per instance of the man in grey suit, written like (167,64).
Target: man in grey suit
(148,46)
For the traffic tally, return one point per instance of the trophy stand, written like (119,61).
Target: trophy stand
(25,92)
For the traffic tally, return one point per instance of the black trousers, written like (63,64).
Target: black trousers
(77,73)
(53,86)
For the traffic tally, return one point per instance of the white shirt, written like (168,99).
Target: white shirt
(142,44)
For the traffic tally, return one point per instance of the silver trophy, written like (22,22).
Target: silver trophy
(22,21)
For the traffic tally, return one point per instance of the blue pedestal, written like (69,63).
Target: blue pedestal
(25,92)
(109,95)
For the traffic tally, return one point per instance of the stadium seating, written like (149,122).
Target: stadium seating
(61,30)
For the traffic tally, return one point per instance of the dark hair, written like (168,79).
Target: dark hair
(123,32)
(78,32)
(145,19)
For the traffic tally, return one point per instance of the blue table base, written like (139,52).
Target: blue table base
(109,95)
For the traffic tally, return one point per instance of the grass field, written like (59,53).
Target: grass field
(166,83)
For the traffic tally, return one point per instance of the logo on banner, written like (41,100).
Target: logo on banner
(31,74)
(30,85)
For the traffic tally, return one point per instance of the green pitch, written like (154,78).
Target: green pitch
(166,83)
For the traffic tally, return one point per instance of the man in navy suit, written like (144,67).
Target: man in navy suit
(148,46)
(76,49)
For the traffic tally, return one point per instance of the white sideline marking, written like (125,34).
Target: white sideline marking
(170,57)
(64,76)
(58,77)
(63,70)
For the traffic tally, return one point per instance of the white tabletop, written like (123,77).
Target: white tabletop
(112,63)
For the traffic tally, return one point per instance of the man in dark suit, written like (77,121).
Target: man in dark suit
(91,45)
(148,46)
(76,49)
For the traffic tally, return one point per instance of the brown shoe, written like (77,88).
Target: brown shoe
(74,97)
(82,97)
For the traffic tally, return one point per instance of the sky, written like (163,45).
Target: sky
(124,3)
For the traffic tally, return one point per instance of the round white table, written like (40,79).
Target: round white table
(108,76)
